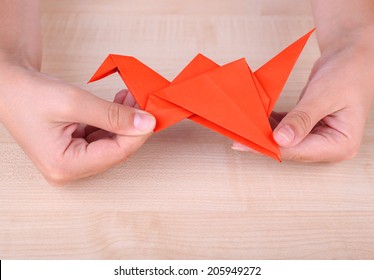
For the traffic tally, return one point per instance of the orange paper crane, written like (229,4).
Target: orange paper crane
(229,99)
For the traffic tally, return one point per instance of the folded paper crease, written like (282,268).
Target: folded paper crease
(230,99)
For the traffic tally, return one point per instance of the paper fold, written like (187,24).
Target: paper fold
(230,99)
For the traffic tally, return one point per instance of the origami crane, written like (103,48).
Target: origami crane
(230,99)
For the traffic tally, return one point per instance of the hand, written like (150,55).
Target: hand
(47,117)
(328,122)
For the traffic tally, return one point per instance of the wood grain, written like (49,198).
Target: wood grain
(185,194)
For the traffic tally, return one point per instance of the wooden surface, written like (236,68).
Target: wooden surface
(185,194)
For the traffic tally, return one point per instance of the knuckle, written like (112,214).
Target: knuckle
(56,174)
(130,147)
(124,158)
(349,147)
(351,151)
(127,152)
(114,117)
(297,157)
(301,120)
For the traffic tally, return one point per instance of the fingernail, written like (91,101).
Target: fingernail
(144,122)
(284,136)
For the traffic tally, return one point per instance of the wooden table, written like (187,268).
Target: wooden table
(185,194)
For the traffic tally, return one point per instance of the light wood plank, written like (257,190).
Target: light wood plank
(188,235)
(185,194)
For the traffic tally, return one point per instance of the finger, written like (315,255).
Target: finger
(274,120)
(322,146)
(298,123)
(90,129)
(79,132)
(97,135)
(277,116)
(120,96)
(129,100)
(85,159)
(325,145)
(113,117)
(125,97)
(119,99)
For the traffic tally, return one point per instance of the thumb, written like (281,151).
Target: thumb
(298,123)
(113,117)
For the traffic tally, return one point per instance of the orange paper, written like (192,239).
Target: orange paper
(229,99)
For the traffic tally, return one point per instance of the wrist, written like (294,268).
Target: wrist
(361,37)
(354,58)
(12,74)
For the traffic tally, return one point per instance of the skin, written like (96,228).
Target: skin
(327,124)
(69,133)
(45,115)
